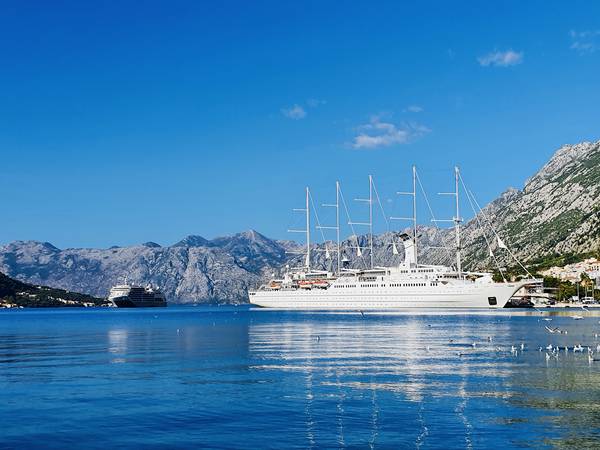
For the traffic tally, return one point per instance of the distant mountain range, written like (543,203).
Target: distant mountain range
(557,212)
(194,269)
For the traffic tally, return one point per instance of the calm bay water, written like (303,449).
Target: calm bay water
(239,378)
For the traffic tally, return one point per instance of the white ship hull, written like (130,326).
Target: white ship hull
(493,295)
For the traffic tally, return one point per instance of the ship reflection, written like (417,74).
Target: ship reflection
(375,359)
(117,345)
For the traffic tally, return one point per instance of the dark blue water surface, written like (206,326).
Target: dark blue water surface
(226,377)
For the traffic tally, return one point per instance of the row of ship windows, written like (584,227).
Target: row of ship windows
(417,271)
(391,285)
(402,271)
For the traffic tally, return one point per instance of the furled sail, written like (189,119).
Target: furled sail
(501,243)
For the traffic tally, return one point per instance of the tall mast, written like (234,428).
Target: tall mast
(412,219)
(457,221)
(371,218)
(370,222)
(306,211)
(414,193)
(337,225)
(336,205)
(307,264)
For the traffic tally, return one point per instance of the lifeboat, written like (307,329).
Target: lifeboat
(309,284)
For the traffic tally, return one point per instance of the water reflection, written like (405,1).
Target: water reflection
(435,364)
(226,378)
(117,344)
(417,358)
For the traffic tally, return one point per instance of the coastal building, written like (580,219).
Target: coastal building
(573,272)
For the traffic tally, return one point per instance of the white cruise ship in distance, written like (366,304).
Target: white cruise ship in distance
(129,296)
(408,285)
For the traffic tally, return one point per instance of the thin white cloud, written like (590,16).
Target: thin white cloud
(315,102)
(585,41)
(376,134)
(295,112)
(298,111)
(413,109)
(501,59)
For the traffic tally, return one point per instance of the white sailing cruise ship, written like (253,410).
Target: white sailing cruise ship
(408,285)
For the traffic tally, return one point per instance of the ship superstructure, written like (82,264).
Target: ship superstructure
(408,285)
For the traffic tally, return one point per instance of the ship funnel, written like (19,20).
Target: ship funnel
(410,259)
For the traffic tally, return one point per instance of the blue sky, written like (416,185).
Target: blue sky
(124,122)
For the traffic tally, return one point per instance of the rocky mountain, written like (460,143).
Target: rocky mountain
(557,212)
(194,269)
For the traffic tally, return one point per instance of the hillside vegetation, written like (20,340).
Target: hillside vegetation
(14,293)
